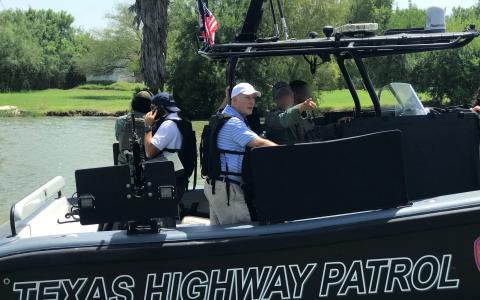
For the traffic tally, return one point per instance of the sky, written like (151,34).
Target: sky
(90,14)
(448,4)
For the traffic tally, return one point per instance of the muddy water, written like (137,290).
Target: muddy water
(34,150)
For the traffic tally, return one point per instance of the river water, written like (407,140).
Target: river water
(34,150)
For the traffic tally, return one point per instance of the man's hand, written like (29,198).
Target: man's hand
(307,105)
(475,109)
(150,118)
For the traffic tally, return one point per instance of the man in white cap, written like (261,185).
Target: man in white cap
(224,194)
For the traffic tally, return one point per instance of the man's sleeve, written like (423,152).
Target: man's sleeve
(286,119)
(239,132)
(164,135)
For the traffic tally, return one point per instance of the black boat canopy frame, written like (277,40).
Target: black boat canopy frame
(342,47)
(361,47)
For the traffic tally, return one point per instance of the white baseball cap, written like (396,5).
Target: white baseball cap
(244,88)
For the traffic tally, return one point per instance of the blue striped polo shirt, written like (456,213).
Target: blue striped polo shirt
(234,136)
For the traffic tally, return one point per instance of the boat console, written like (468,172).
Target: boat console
(328,178)
(108,195)
(441,152)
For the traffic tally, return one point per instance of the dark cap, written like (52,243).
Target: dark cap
(280,89)
(144,95)
(166,100)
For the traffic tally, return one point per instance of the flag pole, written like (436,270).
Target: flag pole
(201,12)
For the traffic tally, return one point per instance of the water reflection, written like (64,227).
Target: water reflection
(34,150)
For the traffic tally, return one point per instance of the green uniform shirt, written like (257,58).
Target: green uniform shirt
(287,126)
(122,133)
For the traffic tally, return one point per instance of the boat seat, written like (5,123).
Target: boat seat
(441,152)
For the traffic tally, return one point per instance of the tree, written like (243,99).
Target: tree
(20,57)
(56,37)
(451,75)
(378,11)
(117,47)
(38,49)
(152,15)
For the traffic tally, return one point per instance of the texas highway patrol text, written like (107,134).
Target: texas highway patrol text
(359,277)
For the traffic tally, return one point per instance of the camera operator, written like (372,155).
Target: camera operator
(161,132)
(163,139)
(140,105)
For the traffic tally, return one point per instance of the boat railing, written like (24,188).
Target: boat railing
(28,205)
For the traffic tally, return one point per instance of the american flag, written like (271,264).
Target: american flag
(208,23)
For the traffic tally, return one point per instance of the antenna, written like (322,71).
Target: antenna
(251,22)
(277,30)
(284,23)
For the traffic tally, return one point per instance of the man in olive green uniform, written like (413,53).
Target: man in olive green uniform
(301,92)
(285,124)
(140,105)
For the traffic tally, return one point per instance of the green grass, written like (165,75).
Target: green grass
(342,99)
(40,102)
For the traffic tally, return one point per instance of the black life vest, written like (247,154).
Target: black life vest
(209,151)
(188,151)
(211,163)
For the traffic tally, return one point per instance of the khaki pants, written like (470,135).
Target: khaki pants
(220,211)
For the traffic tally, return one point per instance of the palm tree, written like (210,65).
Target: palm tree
(152,15)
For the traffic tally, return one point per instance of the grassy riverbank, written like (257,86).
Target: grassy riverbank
(115,100)
(90,99)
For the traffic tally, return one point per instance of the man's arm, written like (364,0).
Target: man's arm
(259,142)
(291,116)
(281,120)
(244,136)
(150,149)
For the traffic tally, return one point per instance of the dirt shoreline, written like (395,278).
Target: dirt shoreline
(13,111)
(84,113)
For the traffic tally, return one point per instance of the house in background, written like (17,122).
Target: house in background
(120,73)
(115,76)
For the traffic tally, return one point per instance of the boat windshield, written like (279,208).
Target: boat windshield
(403,97)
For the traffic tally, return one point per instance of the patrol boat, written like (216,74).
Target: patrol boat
(394,211)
